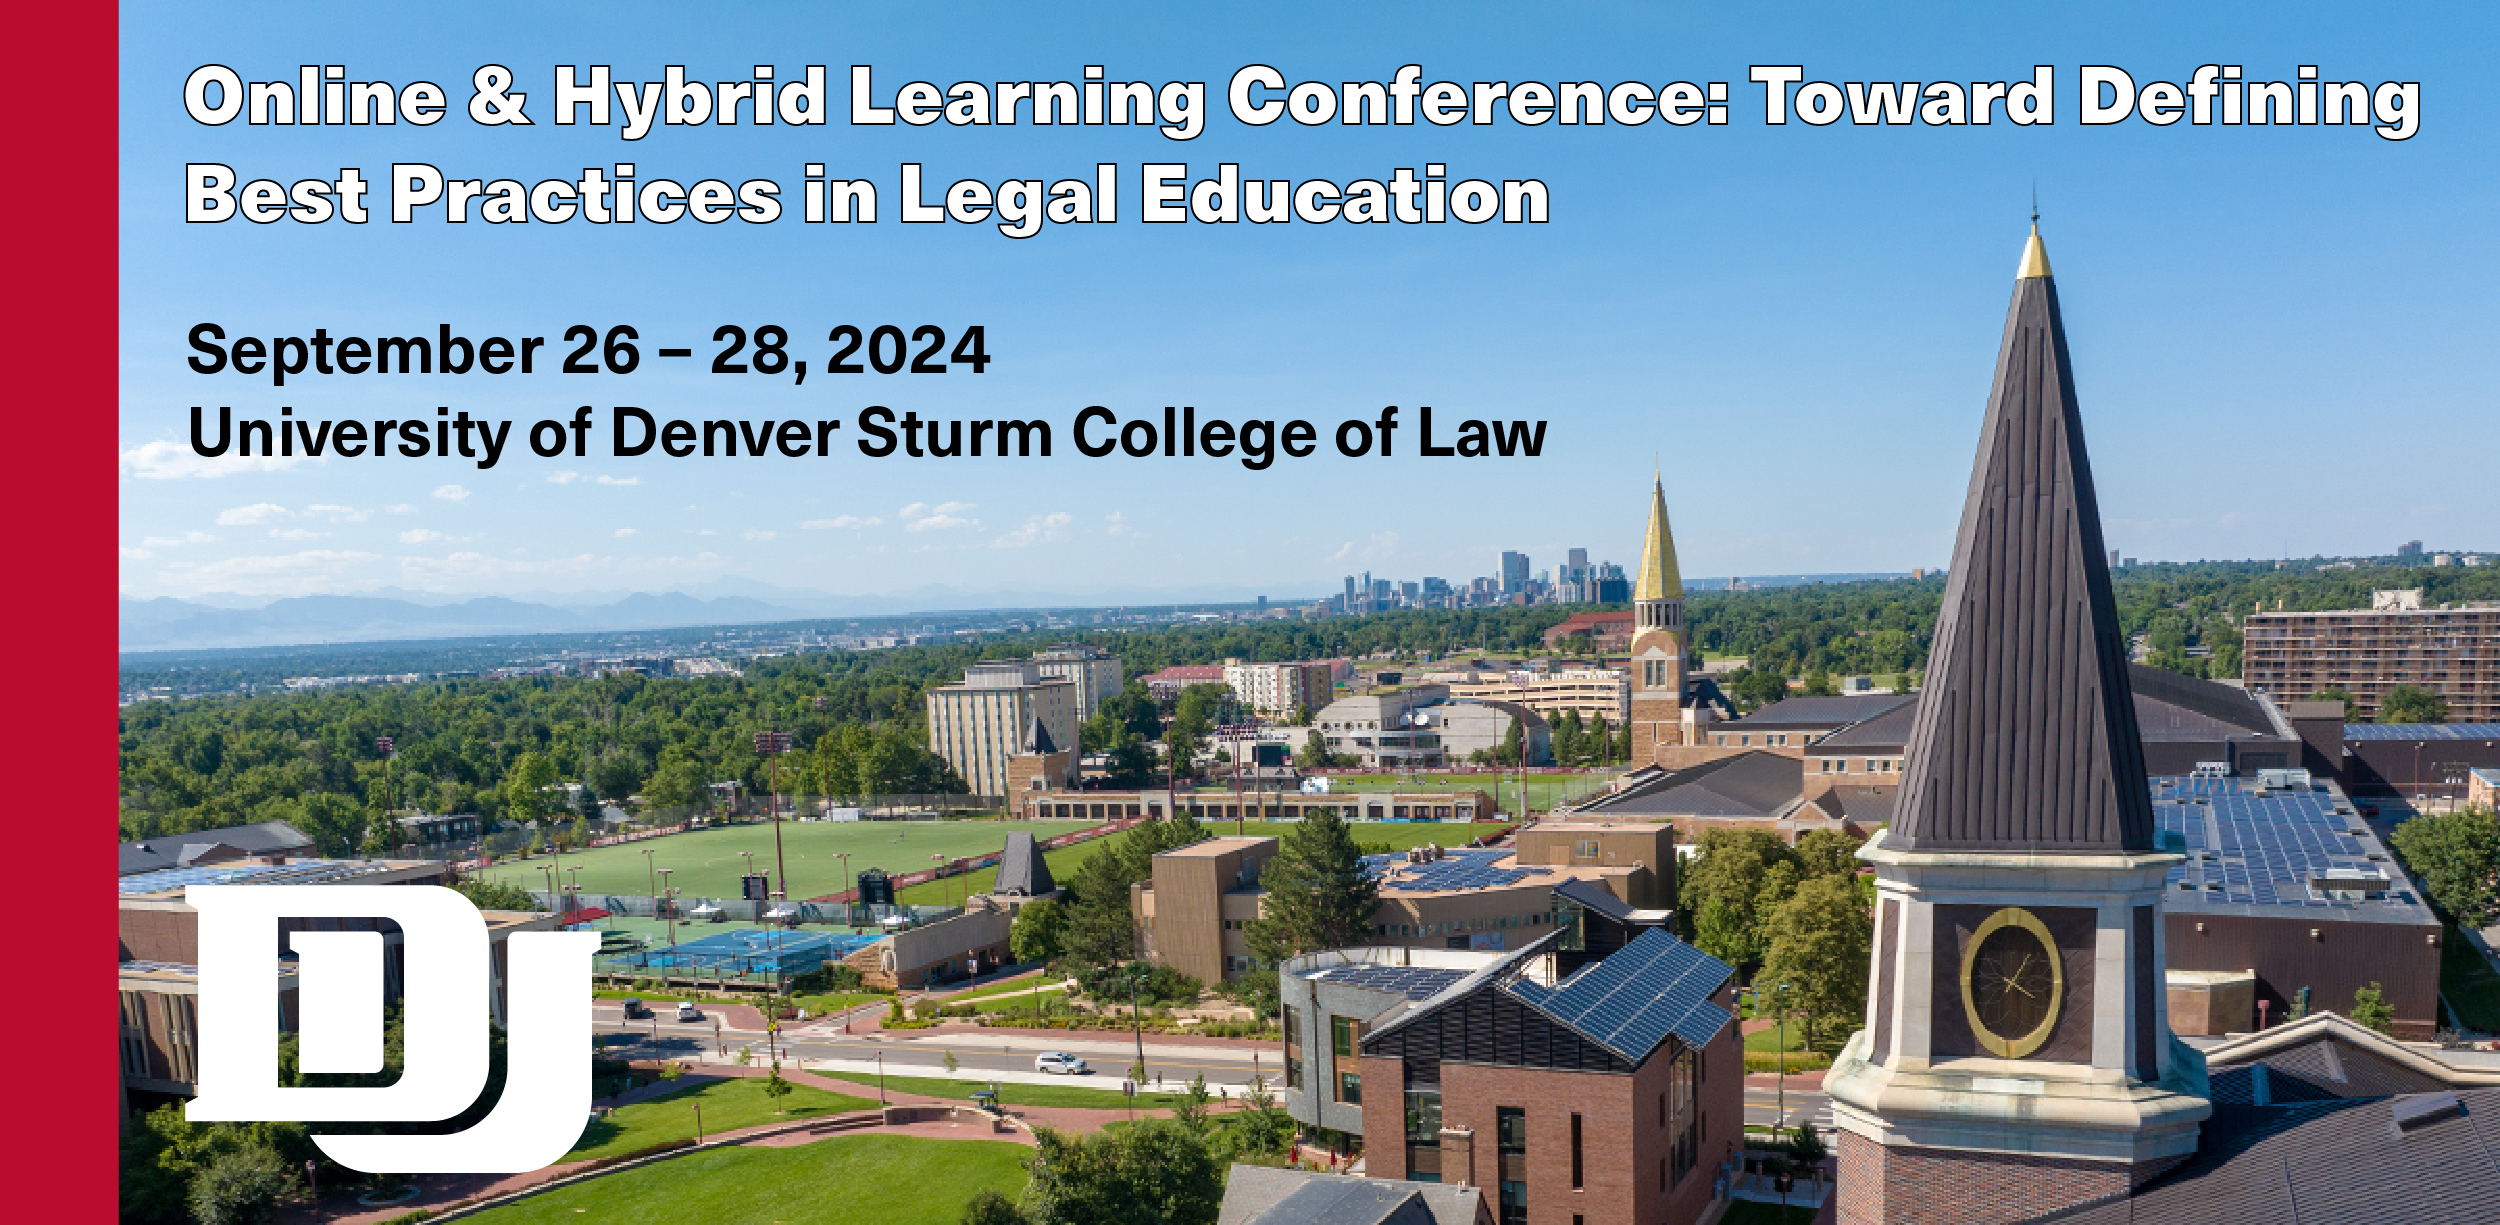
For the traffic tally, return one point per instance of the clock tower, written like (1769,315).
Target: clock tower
(2018,1057)
(1659,713)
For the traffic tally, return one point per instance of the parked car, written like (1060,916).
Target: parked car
(688,1012)
(634,1009)
(1061,1062)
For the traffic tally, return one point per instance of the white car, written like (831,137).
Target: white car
(1061,1062)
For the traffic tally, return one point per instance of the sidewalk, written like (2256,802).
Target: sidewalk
(1105,1049)
(1104,1079)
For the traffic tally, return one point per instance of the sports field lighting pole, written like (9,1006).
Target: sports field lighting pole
(1136,975)
(850,909)
(771,745)
(655,880)
(668,910)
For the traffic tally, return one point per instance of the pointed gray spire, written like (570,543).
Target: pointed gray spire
(2026,736)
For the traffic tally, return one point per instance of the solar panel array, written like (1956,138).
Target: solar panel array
(300,872)
(1629,1002)
(1413,982)
(2422,731)
(2263,850)
(1457,870)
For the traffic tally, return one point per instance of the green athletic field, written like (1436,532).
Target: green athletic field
(706,863)
(1065,863)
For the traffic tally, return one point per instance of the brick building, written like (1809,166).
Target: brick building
(1001,711)
(1576,1085)
(1608,632)
(1195,911)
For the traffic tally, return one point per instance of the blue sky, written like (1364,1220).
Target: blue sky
(2282,335)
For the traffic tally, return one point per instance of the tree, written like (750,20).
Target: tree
(1314,752)
(1155,1173)
(2371,1008)
(586,805)
(525,788)
(1821,939)
(2412,704)
(241,1185)
(2457,856)
(1823,852)
(1318,894)
(1034,936)
(988,1207)
(2336,693)
(776,1088)
(1192,1110)
(1819,684)
(486,894)
(1730,870)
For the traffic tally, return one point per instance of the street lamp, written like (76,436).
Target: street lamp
(646,867)
(1135,976)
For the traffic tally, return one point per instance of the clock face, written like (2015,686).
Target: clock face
(2012,983)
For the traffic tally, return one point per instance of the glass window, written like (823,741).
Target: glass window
(1350,1088)
(1293,1047)
(1423,1118)
(1510,1129)
(1344,1034)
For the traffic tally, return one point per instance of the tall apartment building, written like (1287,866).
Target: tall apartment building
(1002,711)
(1514,572)
(2452,651)
(1094,672)
(1280,688)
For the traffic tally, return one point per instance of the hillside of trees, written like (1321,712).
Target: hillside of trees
(485,746)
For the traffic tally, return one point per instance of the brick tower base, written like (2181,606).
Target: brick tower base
(1899,1185)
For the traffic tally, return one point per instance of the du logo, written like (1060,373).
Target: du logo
(447,973)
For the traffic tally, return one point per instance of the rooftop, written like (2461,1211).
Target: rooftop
(1212,847)
(2422,731)
(292,872)
(1753,785)
(1821,712)
(2256,854)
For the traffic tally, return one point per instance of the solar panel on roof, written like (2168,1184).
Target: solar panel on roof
(1628,1003)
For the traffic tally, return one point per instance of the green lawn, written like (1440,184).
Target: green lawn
(1769,1040)
(960,1089)
(1014,986)
(727,1106)
(2469,984)
(841,1180)
(707,863)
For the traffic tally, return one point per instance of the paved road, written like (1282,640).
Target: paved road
(674,1040)
(1762,1108)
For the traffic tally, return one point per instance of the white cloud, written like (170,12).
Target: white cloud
(165,461)
(175,542)
(1040,529)
(468,570)
(842,521)
(1343,552)
(620,480)
(565,477)
(624,531)
(131,554)
(256,513)
(1120,525)
(295,533)
(757,533)
(312,570)
(922,517)
(338,514)
(451,493)
(707,532)
(421,535)
(401,509)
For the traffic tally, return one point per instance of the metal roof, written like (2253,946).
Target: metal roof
(299,872)
(1413,982)
(259,838)
(1659,580)
(2251,854)
(1756,784)
(2026,738)
(1630,1001)
(2422,731)
(1819,712)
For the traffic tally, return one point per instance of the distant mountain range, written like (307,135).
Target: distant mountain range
(217,620)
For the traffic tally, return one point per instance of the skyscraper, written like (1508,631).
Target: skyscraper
(1514,573)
